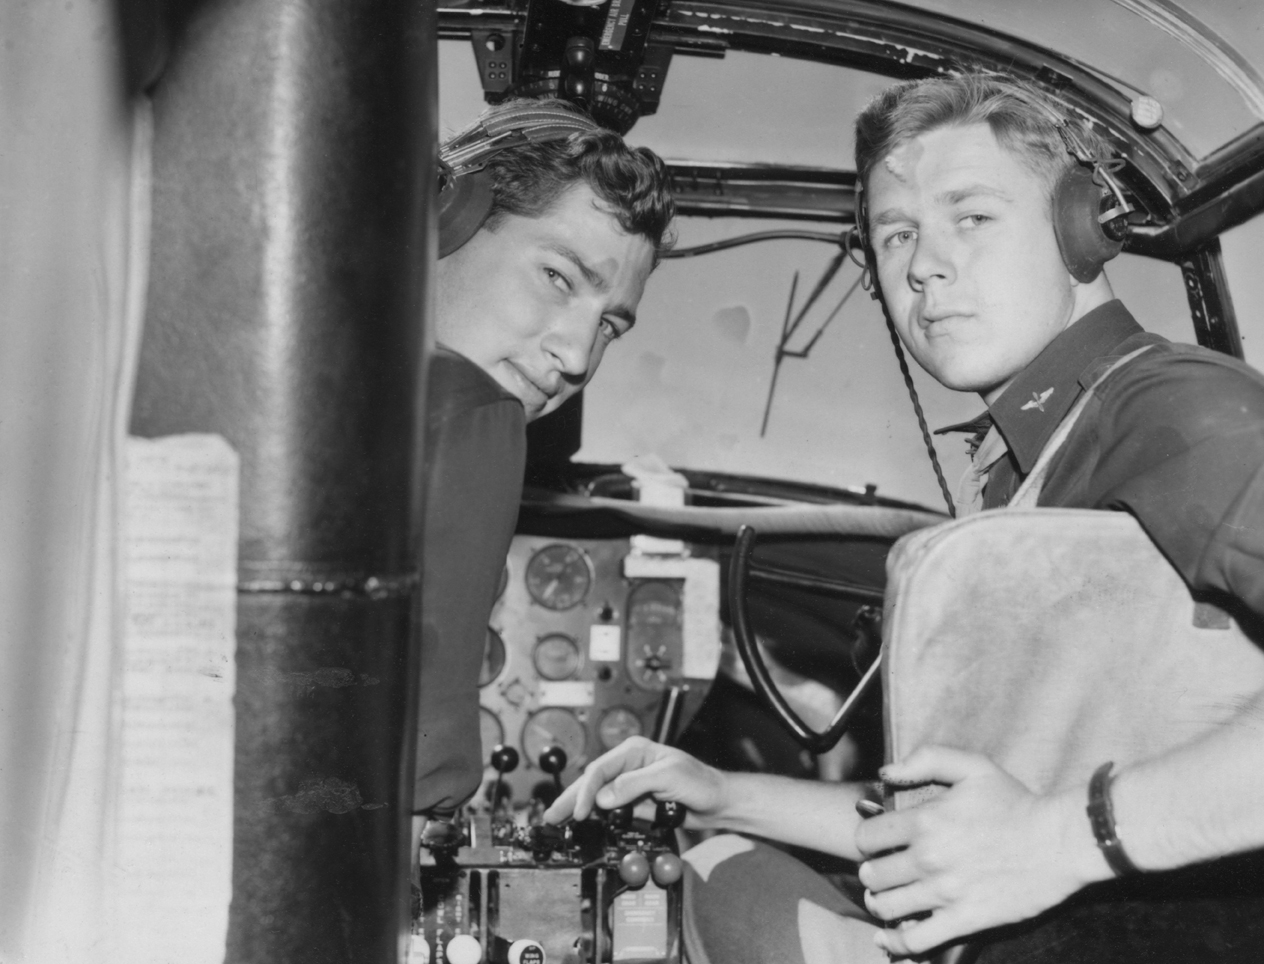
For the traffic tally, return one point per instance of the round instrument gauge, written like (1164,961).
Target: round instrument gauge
(617,725)
(556,656)
(490,731)
(559,576)
(554,726)
(493,657)
(655,634)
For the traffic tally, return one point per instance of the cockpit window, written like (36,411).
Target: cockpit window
(691,386)
(1194,58)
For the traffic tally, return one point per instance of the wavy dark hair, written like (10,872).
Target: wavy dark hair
(633,181)
(1023,118)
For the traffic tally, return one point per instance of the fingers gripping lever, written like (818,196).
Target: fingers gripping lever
(810,739)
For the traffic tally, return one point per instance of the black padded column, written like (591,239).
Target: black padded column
(293,161)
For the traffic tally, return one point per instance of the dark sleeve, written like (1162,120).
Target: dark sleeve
(474,463)
(1181,447)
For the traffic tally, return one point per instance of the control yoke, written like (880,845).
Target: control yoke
(815,742)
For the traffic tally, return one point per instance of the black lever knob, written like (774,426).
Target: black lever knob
(553,760)
(504,759)
(580,53)
(669,814)
(620,818)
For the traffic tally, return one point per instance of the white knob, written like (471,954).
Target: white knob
(526,952)
(464,949)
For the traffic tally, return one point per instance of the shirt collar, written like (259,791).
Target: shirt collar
(1038,398)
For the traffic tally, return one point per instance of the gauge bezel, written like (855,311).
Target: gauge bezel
(611,711)
(492,631)
(487,713)
(575,648)
(573,761)
(590,576)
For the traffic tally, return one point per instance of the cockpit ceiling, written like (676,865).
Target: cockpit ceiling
(1198,173)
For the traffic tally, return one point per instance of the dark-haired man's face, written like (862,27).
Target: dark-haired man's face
(535,302)
(967,257)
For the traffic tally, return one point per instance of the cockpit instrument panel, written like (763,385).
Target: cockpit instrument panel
(588,642)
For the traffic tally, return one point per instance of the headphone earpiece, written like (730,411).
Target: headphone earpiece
(465,185)
(1087,236)
(1086,242)
(465,200)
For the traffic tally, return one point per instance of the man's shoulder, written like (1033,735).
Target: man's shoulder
(455,384)
(1183,385)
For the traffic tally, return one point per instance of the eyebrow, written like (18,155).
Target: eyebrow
(971,191)
(948,199)
(594,278)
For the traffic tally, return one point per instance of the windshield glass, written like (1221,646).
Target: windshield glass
(691,382)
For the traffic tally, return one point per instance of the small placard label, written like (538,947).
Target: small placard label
(605,643)
(566,693)
(640,924)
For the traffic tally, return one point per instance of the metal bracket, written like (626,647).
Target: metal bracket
(1215,323)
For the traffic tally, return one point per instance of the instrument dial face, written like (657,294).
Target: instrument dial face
(617,725)
(493,657)
(490,731)
(554,726)
(556,657)
(504,580)
(559,576)
(655,634)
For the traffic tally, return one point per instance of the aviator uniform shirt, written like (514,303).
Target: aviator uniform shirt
(476,443)
(1175,437)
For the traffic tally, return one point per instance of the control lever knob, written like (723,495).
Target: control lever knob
(634,869)
(669,814)
(620,818)
(504,759)
(580,53)
(553,760)
(666,869)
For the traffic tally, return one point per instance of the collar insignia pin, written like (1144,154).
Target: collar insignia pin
(1038,401)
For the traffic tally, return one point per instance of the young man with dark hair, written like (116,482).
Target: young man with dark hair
(528,299)
(958,175)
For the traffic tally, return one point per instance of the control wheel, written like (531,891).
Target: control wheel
(748,649)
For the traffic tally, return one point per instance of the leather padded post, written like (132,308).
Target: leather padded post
(291,244)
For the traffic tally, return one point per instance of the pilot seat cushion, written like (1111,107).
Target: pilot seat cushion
(1053,640)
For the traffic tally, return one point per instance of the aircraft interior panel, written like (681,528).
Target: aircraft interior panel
(590,642)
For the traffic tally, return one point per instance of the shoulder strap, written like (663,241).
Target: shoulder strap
(1029,492)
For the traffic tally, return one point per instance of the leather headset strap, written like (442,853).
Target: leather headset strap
(532,122)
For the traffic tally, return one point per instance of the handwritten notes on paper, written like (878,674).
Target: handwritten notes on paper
(175,812)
